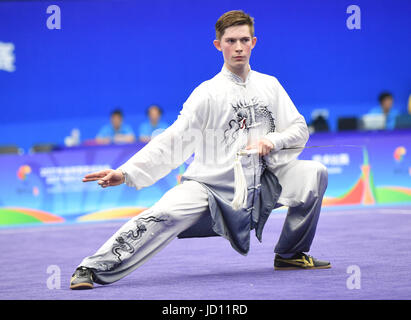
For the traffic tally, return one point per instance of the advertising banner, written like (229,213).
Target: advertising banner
(363,169)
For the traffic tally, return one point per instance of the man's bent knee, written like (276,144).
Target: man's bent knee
(321,173)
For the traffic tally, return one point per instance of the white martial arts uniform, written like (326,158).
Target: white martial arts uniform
(221,116)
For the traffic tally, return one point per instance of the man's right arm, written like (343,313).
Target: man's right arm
(169,149)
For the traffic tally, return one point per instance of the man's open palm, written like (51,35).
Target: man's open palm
(106,178)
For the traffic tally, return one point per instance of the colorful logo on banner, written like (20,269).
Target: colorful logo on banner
(22,174)
(23,171)
(399,153)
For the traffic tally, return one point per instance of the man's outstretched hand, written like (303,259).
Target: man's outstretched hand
(106,178)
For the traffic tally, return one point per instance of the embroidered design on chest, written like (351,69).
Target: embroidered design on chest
(247,115)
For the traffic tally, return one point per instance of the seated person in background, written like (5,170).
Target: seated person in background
(117,131)
(153,123)
(386,101)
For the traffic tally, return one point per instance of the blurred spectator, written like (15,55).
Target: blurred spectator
(154,123)
(386,102)
(116,131)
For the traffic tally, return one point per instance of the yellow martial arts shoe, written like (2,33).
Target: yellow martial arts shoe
(299,261)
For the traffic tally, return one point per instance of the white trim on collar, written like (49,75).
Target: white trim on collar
(235,78)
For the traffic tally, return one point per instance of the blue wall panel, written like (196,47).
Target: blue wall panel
(133,53)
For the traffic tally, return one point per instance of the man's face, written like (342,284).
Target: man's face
(116,121)
(154,114)
(386,104)
(236,45)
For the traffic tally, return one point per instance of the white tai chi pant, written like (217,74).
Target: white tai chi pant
(303,185)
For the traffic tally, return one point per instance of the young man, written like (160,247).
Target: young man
(386,101)
(236,110)
(154,124)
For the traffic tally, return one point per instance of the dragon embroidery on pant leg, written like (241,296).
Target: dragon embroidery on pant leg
(123,241)
(151,218)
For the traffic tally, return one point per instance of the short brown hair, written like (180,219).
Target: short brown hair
(233,18)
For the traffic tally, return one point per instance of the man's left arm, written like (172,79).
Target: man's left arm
(291,128)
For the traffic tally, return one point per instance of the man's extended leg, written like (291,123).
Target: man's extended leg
(144,235)
(303,186)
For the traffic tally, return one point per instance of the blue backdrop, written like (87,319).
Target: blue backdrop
(133,53)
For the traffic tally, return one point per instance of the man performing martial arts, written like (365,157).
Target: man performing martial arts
(245,134)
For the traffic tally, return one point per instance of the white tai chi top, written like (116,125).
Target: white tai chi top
(222,116)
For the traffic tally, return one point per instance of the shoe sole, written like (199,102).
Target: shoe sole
(299,268)
(81,286)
